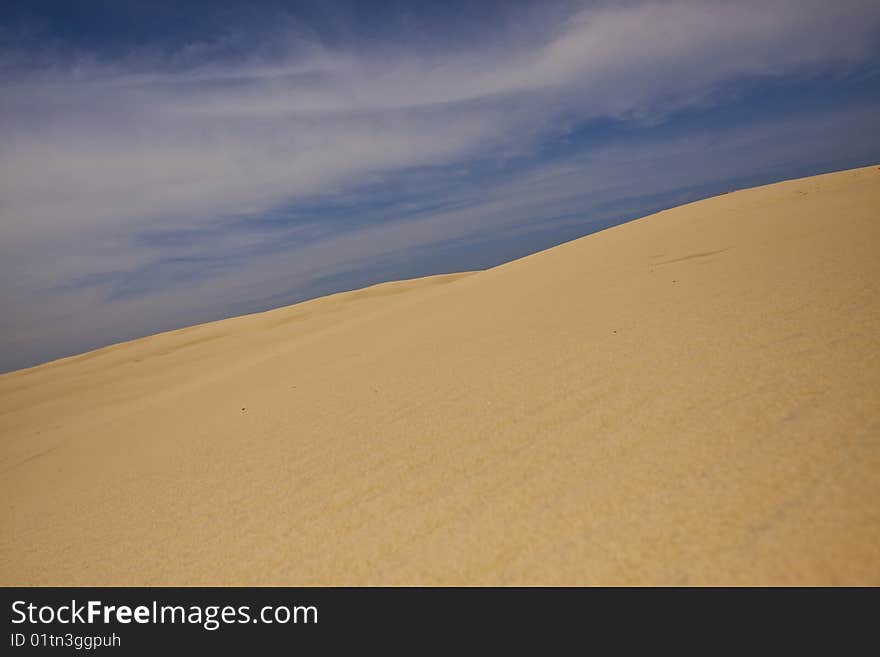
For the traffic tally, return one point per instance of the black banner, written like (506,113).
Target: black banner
(149,620)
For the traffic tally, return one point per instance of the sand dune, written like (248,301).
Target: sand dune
(691,398)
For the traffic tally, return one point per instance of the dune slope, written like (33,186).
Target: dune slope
(690,398)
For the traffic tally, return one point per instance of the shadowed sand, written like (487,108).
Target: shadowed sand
(691,398)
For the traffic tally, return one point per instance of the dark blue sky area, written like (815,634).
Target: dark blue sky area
(111,27)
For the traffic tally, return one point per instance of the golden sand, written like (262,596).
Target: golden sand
(691,398)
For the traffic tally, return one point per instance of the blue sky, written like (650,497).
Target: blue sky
(164,163)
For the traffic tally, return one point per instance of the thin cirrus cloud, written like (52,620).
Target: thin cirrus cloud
(155,192)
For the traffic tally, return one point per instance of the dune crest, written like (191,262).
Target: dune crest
(689,398)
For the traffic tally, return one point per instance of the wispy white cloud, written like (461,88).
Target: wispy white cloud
(86,146)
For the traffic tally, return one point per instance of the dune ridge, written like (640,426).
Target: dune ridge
(689,398)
